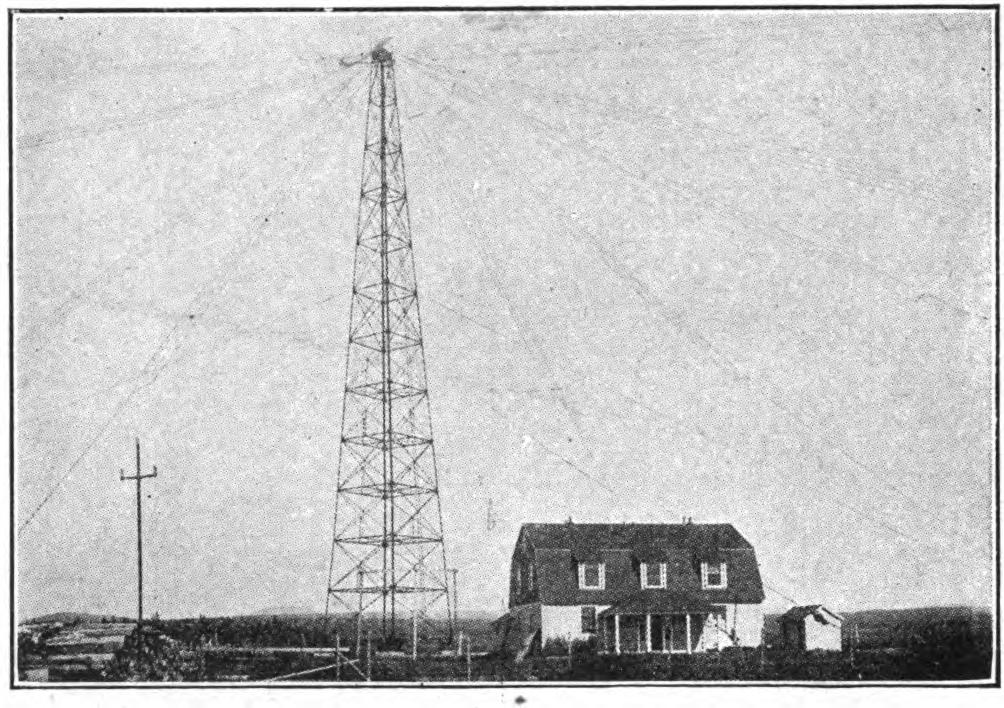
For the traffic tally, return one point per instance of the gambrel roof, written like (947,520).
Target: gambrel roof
(640,538)
(558,548)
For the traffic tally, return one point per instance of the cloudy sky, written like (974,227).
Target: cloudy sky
(731,265)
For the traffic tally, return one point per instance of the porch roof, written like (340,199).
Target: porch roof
(657,601)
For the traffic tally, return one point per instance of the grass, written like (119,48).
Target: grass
(747,665)
(926,644)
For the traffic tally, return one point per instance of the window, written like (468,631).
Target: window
(588,619)
(653,575)
(592,576)
(713,575)
(519,580)
(529,578)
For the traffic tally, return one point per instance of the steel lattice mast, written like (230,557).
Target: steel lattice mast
(387,550)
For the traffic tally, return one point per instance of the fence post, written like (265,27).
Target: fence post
(369,656)
(854,649)
(338,657)
(359,636)
(468,646)
(414,636)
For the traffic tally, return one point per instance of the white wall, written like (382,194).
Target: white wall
(564,621)
(821,636)
(747,621)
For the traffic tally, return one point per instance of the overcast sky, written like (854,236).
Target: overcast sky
(731,265)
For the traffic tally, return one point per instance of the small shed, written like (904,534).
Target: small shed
(810,627)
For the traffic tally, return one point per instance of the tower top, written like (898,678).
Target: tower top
(381,55)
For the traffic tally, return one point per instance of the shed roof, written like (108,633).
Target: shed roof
(818,612)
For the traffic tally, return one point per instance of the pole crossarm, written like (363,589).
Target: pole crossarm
(138,478)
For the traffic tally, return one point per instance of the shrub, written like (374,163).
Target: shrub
(555,646)
(586,647)
(151,656)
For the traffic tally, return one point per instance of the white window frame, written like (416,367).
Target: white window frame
(662,576)
(602,576)
(723,572)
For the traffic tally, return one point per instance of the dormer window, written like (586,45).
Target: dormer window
(653,575)
(592,576)
(714,576)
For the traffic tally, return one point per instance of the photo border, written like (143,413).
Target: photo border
(994,681)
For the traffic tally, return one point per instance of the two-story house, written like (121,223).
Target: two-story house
(636,587)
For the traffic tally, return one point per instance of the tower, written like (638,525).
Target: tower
(387,552)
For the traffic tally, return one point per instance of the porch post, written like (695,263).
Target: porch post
(617,634)
(688,632)
(648,633)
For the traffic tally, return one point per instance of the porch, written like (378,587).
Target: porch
(660,622)
(648,633)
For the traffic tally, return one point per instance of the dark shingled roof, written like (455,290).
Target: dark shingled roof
(683,547)
(635,537)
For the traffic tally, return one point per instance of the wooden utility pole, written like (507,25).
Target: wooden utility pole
(139,477)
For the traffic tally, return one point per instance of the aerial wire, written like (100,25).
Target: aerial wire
(150,368)
(643,291)
(741,217)
(860,512)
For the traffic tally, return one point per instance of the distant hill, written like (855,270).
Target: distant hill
(918,614)
(291,611)
(896,628)
(287,611)
(76,618)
